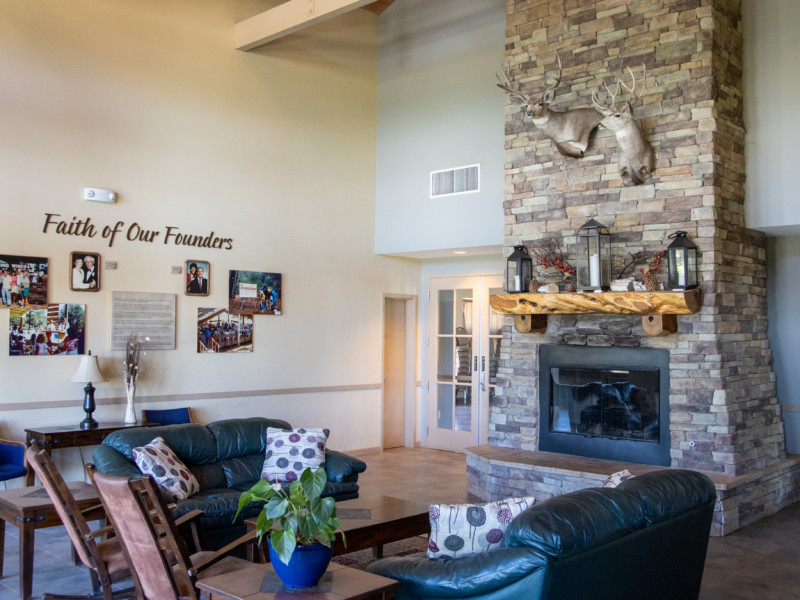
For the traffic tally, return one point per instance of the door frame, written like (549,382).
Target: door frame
(410,368)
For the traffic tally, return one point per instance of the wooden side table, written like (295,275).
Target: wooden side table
(69,436)
(30,508)
(259,582)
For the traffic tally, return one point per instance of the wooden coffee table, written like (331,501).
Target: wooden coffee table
(372,521)
(259,582)
(30,508)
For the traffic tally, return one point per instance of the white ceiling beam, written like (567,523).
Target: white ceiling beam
(289,17)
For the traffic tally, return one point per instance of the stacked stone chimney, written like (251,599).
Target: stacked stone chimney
(725,417)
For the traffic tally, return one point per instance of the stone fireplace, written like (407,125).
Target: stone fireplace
(723,414)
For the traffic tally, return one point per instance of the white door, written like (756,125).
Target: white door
(463,351)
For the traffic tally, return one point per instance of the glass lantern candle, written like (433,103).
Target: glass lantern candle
(681,262)
(593,260)
(519,270)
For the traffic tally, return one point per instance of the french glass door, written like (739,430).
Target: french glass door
(463,350)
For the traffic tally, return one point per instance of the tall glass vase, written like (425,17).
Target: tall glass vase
(130,411)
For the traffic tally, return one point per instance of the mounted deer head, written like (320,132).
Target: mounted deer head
(570,130)
(637,158)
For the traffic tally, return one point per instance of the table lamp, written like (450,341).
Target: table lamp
(87,372)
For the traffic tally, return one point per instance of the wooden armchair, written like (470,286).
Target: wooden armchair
(104,558)
(156,551)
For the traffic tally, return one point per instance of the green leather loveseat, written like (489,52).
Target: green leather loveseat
(226,458)
(644,540)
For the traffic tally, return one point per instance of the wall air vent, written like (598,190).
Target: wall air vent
(460,180)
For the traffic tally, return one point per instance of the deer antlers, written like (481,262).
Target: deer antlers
(506,84)
(613,95)
(547,95)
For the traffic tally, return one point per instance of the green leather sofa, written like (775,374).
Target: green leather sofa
(644,540)
(226,458)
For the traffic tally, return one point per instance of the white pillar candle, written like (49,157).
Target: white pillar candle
(516,283)
(594,270)
(680,269)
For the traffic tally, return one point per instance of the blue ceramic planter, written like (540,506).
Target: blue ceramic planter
(307,565)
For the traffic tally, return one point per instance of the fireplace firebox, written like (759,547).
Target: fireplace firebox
(610,403)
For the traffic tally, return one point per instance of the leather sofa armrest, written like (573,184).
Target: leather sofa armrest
(110,461)
(465,577)
(341,467)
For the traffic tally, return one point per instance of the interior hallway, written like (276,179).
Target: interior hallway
(758,562)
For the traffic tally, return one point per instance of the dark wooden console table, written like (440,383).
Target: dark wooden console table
(65,436)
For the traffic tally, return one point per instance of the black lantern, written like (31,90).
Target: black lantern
(519,269)
(593,261)
(681,262)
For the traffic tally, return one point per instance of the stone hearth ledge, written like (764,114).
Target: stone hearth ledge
(495,473)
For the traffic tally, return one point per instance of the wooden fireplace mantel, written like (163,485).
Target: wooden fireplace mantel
(658,309)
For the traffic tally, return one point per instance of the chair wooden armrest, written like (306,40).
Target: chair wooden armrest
(189,517)
(206,561)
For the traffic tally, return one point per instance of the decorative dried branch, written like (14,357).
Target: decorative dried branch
(548,254)
(131,366)
(635,258)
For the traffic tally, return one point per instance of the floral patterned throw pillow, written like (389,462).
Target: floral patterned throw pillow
(158,460)
(616,478)
(292,451)
(461,529)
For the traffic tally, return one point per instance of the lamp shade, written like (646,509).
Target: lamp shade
(88,370)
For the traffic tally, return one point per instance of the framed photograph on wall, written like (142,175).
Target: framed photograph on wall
(198,273)
(255,293)
(23,281)
(84,272)
(55,329)
(220,331)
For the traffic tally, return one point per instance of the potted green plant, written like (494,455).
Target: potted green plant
(301,525)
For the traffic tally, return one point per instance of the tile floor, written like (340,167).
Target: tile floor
(758,562)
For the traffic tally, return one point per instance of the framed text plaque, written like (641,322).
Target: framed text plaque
(150,316)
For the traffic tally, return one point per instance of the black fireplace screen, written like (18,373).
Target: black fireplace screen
(614,403)
(610,403)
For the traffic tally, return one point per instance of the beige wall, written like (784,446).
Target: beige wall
(274,148)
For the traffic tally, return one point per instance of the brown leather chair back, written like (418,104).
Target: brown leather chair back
(149,536)
(91,554)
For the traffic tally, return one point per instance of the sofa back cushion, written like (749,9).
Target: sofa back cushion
(241,444)
(192,443)
(574,522)
(670,492)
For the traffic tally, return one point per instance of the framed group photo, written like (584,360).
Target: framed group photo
(197,275)
(84,274)
(23,282)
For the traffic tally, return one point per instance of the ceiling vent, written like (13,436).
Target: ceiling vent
(460,180)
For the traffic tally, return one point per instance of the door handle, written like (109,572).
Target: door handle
(483,373)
